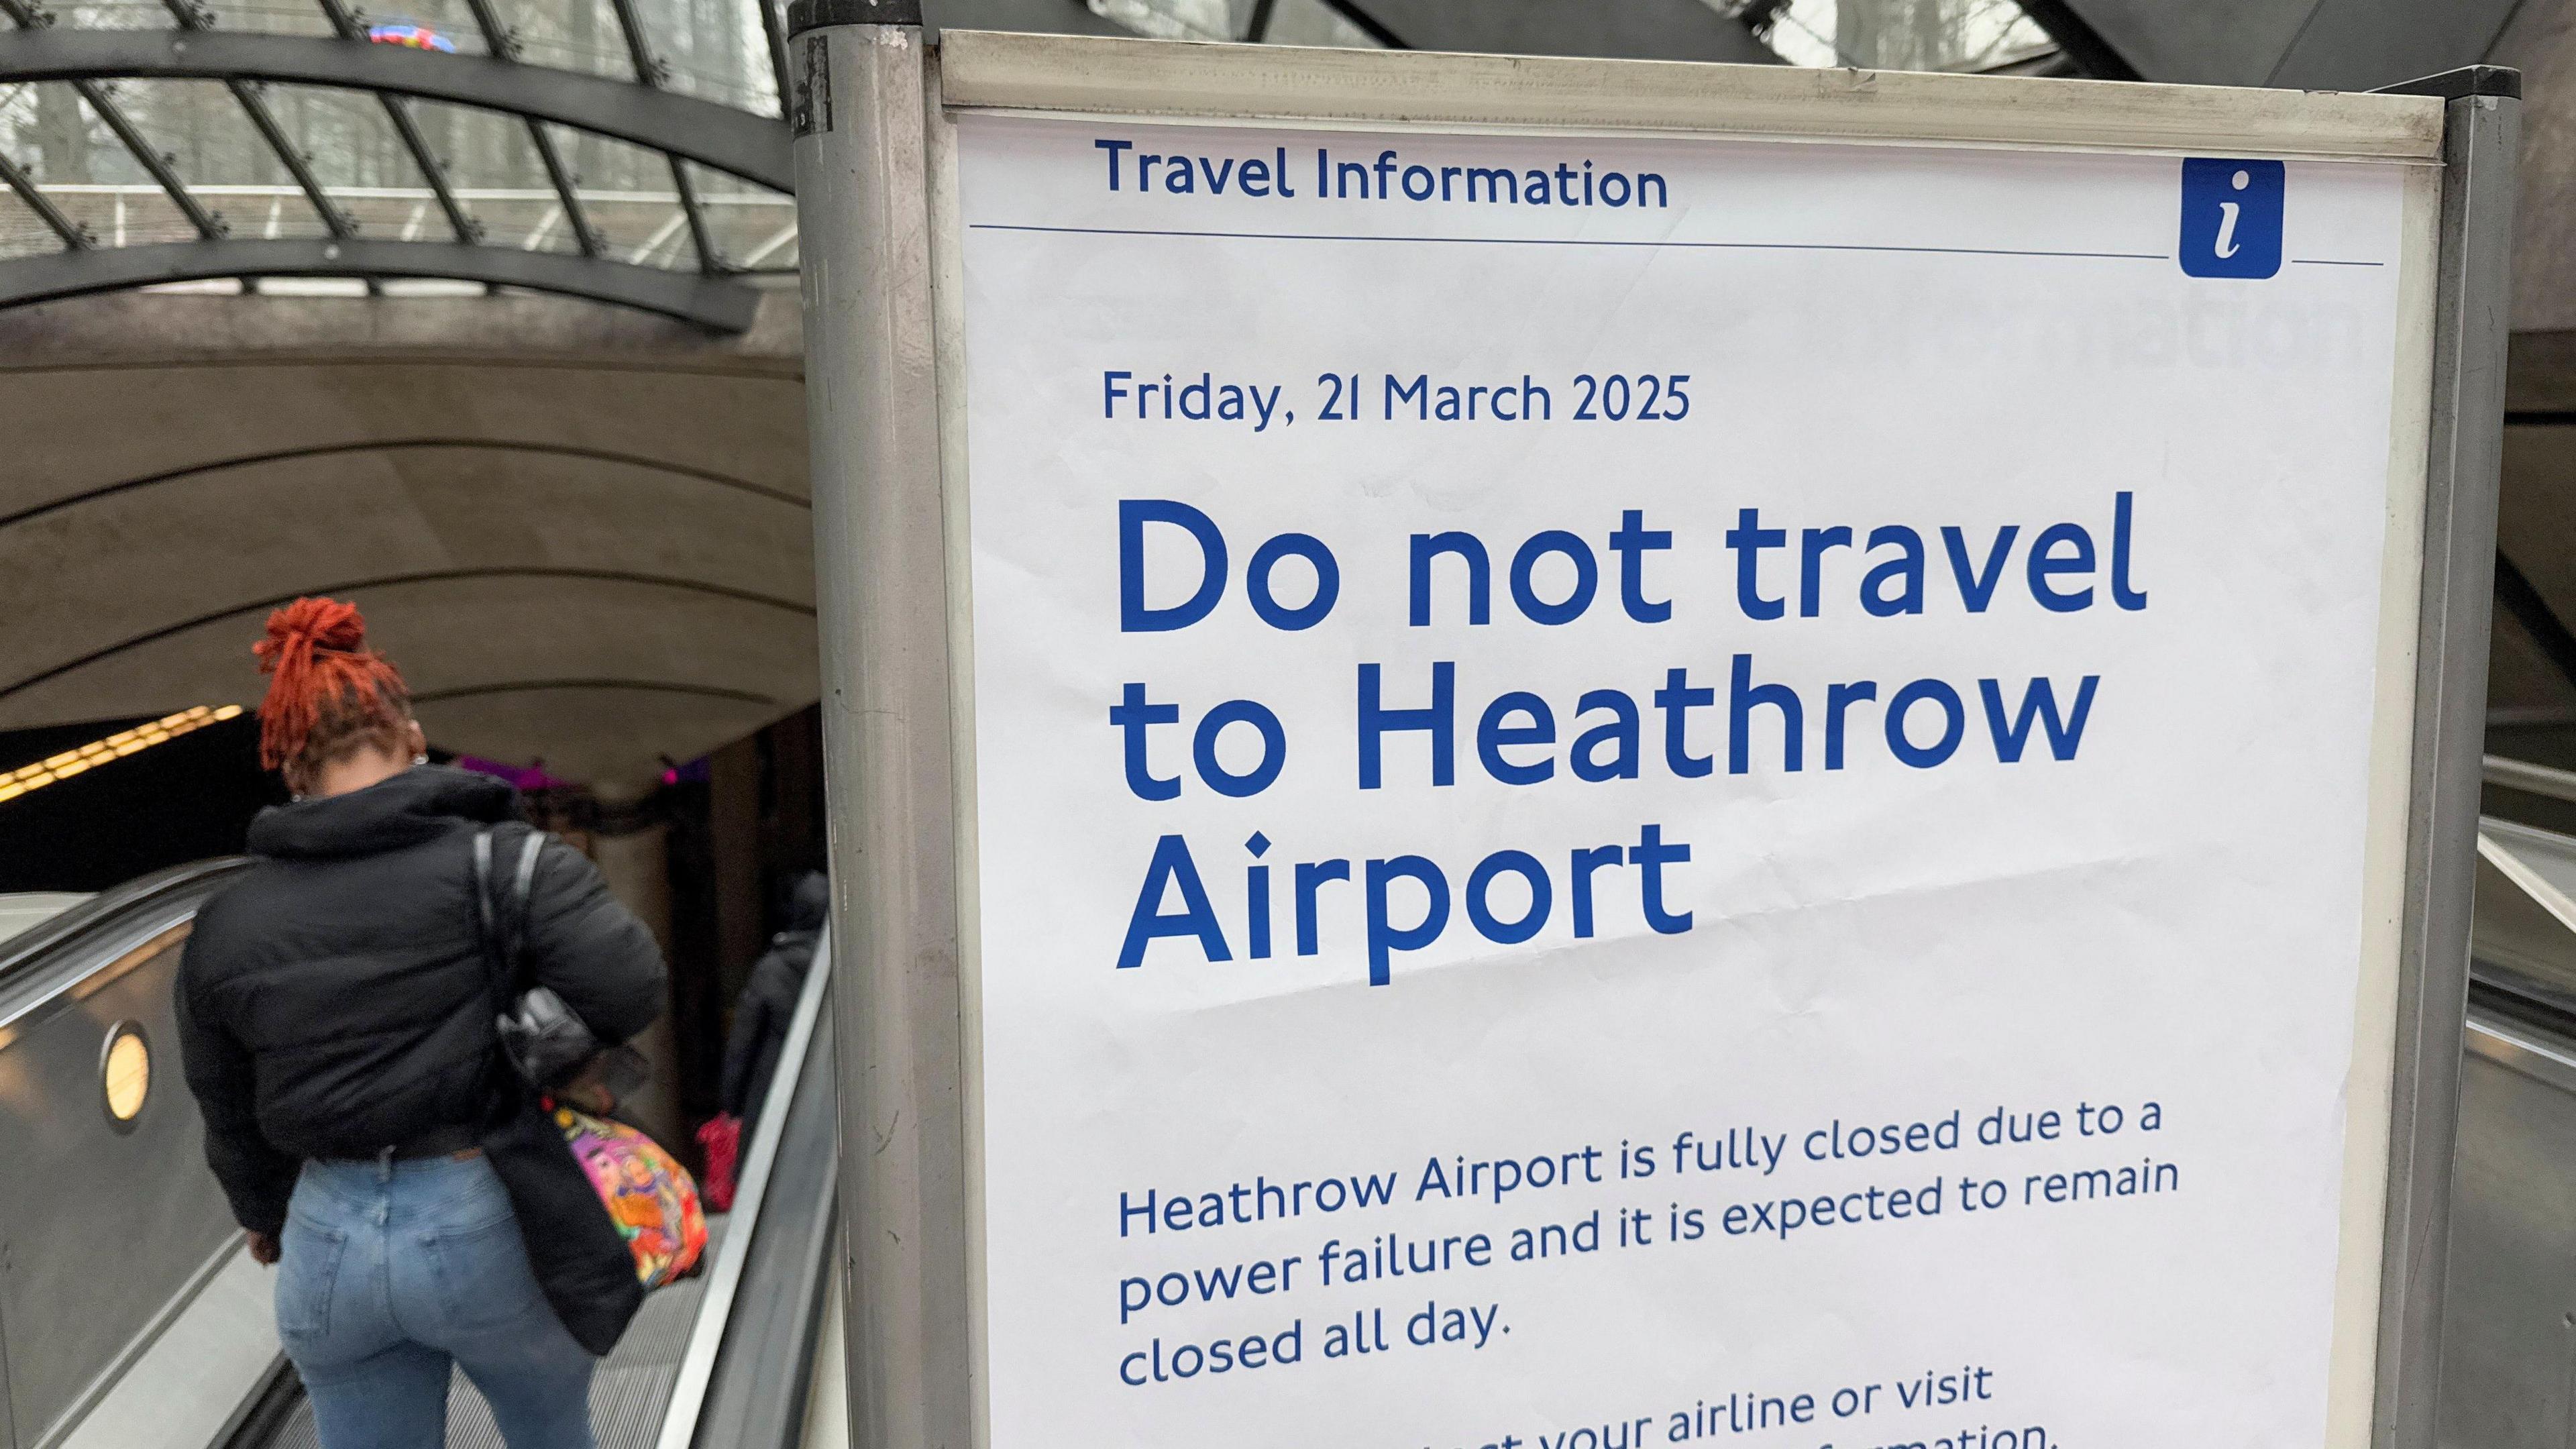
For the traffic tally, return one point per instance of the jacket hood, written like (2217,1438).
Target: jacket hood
(420,804)
(808,905)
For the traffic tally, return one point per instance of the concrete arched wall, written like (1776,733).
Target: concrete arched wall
(583,534)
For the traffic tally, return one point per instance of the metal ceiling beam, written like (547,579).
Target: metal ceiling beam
(2093,56)
(752,147)
(710,302)
(2529,607)
(1637,29)
(2348,45)
(1044,17)
(73,238)
(1369,25)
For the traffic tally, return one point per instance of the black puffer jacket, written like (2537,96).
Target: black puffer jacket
(336,1000)
(768,1002)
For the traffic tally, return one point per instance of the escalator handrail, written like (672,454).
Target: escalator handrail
(724,1275)
(2529,778)
(109,906)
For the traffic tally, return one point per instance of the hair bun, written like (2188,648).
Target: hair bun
(323,679)
(309,624)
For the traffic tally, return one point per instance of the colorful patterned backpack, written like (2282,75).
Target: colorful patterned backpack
(648,1195)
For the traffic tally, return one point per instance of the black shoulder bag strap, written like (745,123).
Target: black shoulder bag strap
(580,1258)
(505,933)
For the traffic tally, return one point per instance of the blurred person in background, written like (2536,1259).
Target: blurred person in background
(768,1001)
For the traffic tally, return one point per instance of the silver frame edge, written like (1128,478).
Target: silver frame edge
(881,572)
(2473,290)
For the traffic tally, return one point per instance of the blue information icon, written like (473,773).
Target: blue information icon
(2231,217)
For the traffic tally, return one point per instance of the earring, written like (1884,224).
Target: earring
(420,759)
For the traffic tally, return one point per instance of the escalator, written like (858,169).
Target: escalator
(2509,1312)
(131,1317)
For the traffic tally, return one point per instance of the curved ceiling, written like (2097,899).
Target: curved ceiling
(585,539)
(598,678)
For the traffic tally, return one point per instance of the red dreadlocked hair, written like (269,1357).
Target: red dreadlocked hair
(327,688)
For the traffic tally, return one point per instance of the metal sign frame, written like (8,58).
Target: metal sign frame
(876,188)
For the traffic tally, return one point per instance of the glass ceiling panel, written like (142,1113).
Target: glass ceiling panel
(47,131)
(1953,35)
(494,169)
(712,49)
(1292,22)
(79,166)
(1173,19)
(571,34)
(22,232)
(1311,22)
(18,122)
(274,17)
(751,224)
(1882,34)
(218,152)
(114,15)
(633,203)
(360,160)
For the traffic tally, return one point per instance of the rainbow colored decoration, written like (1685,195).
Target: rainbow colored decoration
(418,37)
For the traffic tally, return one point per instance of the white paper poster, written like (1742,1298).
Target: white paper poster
(1639,791)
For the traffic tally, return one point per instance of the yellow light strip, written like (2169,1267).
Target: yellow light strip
(115,747)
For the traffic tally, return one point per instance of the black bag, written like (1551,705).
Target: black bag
(545,1042)
(581,1260)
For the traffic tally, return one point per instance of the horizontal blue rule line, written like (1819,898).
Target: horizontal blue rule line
(1536,241)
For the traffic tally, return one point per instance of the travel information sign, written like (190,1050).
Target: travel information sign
(1621,782)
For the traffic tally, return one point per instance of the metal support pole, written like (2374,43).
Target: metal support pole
(880,563)
(2473,292)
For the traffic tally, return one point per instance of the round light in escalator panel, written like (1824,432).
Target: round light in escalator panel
(125,1074)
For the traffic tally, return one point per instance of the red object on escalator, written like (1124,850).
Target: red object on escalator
(721,1137)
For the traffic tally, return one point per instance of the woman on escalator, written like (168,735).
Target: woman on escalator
(336,1017)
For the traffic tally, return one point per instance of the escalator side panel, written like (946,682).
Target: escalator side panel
(757,1398)
(2509,1331)
(187,1387)
(101,1220)
(2514,931)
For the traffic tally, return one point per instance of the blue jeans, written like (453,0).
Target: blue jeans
(392,1272)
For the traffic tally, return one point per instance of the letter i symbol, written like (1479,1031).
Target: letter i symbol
(1256,894)
(2228,211)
